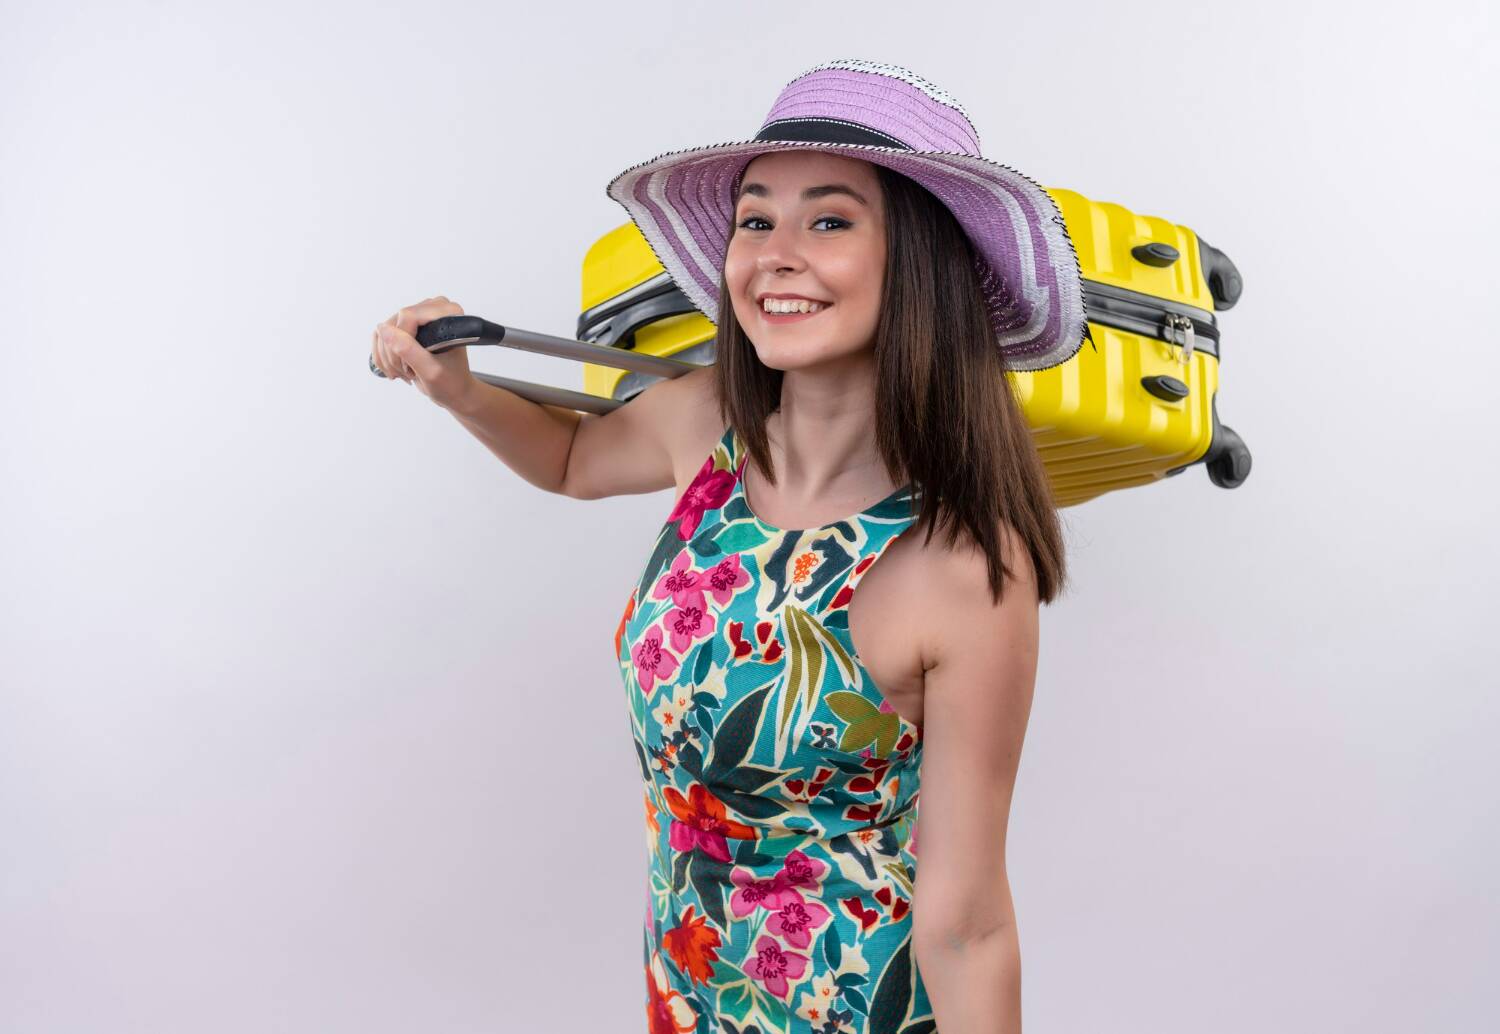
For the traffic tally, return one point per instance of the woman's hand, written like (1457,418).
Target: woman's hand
(445,377)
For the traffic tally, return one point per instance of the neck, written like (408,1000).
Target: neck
(822,437)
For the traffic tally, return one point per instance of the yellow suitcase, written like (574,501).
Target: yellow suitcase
(1136,405)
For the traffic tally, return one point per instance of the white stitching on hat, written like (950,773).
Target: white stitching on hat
(937,93)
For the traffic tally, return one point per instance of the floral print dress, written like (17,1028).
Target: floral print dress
(780,788)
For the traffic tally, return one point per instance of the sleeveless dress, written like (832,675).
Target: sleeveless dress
(780,787)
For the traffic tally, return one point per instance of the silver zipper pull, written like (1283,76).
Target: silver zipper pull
(1180,331)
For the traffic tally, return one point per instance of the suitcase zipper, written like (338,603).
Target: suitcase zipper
(1178,324)
(1140,313)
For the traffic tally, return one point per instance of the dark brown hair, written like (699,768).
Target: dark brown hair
(946,412)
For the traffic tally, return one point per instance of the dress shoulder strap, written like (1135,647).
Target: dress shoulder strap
(731,445)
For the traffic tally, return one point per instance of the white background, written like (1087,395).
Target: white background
(309,719)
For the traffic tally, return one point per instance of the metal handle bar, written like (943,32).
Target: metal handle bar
(450,332)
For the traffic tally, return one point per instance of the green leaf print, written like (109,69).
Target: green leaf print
(749,804)
(703,543)
(691,760)
(809,643)
(900,506)
(747,855)
(679,871)
(805,672)
(736,733)
(880,731)
(833,648)
(867,723)
(850,706)
(816,637)
(844,765)
(901,874)
(748,778)
(892,993)
(833,948)
(740,538)
(705,722)
(705,658)
(710,877)
(735,1000)
(735,510)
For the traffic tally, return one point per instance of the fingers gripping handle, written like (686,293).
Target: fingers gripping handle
(441,335)
(449,332)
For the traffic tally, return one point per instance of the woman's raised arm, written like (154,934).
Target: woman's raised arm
(586,456)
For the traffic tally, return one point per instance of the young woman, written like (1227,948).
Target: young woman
(872,279)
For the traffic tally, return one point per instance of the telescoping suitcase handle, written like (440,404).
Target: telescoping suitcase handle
(449,332)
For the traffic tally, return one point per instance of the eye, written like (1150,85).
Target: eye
(832,219)
(745,223)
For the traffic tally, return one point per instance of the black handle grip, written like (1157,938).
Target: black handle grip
(448,332)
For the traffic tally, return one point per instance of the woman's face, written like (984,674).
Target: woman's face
(809,227)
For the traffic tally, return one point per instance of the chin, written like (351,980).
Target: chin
(786,355)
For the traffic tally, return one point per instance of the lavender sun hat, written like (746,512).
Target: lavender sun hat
(683,201)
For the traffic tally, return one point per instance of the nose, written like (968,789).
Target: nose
(779,252)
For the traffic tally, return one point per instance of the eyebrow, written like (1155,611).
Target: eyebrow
(810,194)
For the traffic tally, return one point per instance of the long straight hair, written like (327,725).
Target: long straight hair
(947,417)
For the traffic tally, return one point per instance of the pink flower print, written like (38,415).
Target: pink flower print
(702,821)
(682,583)
(688,623)
(724,577)
(751,893)
(709,490)
(794,921)
(651,661)
(800,870)
(772,965)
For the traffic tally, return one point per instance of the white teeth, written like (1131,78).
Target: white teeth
(791,305)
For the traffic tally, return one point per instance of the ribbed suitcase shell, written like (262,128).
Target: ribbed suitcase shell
(1125,411)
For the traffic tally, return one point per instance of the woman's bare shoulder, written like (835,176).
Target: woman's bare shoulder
(949,583)
(698,425)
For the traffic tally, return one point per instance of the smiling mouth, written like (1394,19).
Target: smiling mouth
(791,310)
(792,304)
